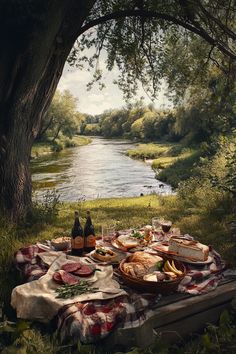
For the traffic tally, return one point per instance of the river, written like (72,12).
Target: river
(98,170)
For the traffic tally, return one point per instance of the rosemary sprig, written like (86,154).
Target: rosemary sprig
(67,291)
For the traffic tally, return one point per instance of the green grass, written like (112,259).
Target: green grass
(172,162)
(40,149)
(151,150)
(179,168)
(44,148)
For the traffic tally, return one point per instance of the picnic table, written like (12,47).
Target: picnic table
(136,318)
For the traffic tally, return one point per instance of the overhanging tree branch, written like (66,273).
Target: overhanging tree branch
(158,15)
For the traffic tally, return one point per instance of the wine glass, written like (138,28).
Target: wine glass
(108,233)
(165,226)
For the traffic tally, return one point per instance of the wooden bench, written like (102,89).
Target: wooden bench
(175,317)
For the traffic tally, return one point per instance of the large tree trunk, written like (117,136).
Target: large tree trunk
(39,38)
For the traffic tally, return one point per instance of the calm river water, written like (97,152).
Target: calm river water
(98,170)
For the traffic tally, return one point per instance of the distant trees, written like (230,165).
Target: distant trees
(61,118)
(201,115)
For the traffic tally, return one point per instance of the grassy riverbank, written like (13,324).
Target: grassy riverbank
(203,220)
(44,148)
(172,162)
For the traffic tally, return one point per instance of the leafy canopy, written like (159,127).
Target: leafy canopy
(152,40)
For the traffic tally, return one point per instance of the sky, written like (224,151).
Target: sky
(97,101)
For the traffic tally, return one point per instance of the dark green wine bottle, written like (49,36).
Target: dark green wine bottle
(77,237)
(89,235)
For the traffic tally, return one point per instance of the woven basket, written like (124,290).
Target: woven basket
(152,286)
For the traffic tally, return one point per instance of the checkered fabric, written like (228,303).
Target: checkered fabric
(94,320)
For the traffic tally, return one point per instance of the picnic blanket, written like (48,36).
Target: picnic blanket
(91,321)
(38,300)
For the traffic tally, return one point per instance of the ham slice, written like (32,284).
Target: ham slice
(68,278)
(71,267)
(57,278)
(62,277)
(84,271)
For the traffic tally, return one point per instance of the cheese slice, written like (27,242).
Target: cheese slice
(189,249)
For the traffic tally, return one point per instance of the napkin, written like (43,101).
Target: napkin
(37,300)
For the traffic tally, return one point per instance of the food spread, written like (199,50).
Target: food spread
(148,267)
(140,263)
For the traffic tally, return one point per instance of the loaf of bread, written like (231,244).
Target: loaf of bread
(148,260)
(127,241)
(189,249)
(140,263)
(135,269)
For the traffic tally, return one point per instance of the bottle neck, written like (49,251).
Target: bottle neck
(77,222)
(89,221)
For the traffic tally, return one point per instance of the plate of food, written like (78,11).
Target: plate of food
(105,255)
(182,249)
(131,242)
(152,273)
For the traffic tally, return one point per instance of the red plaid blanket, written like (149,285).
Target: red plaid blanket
(94,320)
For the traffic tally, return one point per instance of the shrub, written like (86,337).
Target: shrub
(57,146)
(68,143)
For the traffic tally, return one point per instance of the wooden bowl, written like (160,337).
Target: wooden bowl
(61,243)
(159,287)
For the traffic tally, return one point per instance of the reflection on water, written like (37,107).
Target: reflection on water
(97,170)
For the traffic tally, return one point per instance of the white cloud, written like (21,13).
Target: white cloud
(96,101)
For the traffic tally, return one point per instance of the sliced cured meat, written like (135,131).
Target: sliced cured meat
(84,271)
(71,267)
(68,278)
(57,278)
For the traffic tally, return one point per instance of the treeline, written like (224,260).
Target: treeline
(62,122)
(190,123)
(206,111)
(147,123)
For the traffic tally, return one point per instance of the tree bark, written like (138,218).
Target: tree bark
(32,57)
(57,133)
(43,129)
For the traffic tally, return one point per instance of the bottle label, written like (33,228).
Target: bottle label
(90,241)
(77,242)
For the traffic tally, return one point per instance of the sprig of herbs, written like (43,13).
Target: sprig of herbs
(137,235)
(67,291)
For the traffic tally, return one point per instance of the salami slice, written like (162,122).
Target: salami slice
(57,278)
(71,267)
(68,278)
(84,271)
